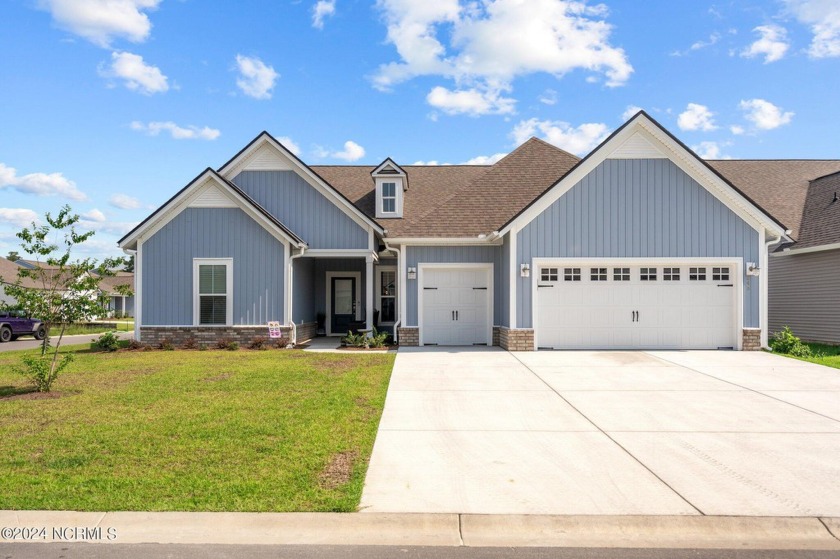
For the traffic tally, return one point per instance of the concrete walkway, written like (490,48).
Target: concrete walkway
(703,532)
(607,433)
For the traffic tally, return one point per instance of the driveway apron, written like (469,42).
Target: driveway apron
(483,430)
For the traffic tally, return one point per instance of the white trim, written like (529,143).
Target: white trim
(174,207)
(737,265)
(228,263)
(385,164)
(138,295)
(287,284)
(445,241)
(399,187)
(372,242)
(402,262)
(487,266)
(369,292)
(377,293)
(514,280)
(793,250)
(330,276)
(340,253)
(232,168)
(211,196)
(684,159)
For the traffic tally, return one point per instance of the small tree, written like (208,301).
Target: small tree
(60,291)
(13,256)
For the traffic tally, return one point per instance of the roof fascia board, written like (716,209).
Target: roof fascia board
(182,200)
(443,241)
(229,171)
(676,152)
(388,163)
(806,250)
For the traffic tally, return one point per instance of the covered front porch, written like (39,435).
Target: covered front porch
(333,294)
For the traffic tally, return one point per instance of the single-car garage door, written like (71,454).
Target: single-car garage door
(455,306)
(608,306)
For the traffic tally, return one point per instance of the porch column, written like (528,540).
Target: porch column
(369,281)
(123,306)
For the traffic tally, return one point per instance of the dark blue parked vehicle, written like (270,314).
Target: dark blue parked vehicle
(15,323)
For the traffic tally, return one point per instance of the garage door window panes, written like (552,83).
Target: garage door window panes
(647,274)
(697,274)
(571,274)
(621,274)
(671,274)
(598,274)
(548,274)
(720,274)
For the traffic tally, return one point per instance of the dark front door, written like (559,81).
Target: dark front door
(343,297)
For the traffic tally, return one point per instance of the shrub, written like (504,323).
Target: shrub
(362,339)
(786,342)
(190,343)
(222,343)
(38,369)
(166,345)
(202,347)
(232,346)
(378,339)
(135,345)
(108,341)
(355,340)
(259,342)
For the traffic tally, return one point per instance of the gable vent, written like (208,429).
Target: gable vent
(266,159)
(637,147)
(212,197)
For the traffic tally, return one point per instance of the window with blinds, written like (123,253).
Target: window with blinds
(212,294)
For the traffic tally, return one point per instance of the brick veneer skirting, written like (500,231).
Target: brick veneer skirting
(751,339)
(209,335)
(408,336)
(519,339)
(496,335)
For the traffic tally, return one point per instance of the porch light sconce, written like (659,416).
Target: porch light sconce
(412,272)
(525,270)
(753,269)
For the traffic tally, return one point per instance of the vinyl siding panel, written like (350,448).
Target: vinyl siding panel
(636,208)
(304,210)
(805,295)
(416,255)
(167,269)
(303,287)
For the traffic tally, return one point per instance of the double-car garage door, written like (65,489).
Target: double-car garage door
(609,306)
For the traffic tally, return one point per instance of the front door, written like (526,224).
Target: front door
(343,297)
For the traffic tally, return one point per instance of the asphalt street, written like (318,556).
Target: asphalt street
(30,342)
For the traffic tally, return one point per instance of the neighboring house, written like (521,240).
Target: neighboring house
(641,244)
(8,274)
(118,304)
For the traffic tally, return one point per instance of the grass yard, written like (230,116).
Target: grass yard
(829,355)
(94,328)
(277,430)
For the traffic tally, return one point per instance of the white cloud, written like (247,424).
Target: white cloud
(548,97)
(112,227)
(351,152)
(709,150)
(629,112)
(135,73)
(578,140)
(431,163)
(321,10)
(124,202)
(473,102)
(485,46)
(698,45)
(484,159)
(19,217)
(824,18)
(289,144)
(764,115)
(100,21)
(696,117)
(40,184)
(736,129)
(94,215)
(256,79)
(177,132)
(772,44)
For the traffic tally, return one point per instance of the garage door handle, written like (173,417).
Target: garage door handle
(726,285)
(435,288)
(456,315)
(483,288)
(545,286)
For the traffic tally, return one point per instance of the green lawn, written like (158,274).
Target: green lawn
(277,430)
(829,355)
(83,328)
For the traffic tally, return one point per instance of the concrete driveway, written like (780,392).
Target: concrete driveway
(608,433)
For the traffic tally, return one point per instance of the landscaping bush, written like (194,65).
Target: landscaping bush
(786,342)
(190,344)
(134,345)
(232,346)
(222,343)
(166,345)
(38,369)
(361,339)
(358,339)
(108,341)
(259,342)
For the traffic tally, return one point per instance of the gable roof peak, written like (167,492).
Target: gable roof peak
(387,167)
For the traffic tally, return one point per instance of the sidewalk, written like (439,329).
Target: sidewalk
(702,532)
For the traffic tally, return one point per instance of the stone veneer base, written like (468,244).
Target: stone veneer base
(751,340)
(209,335)
(518,339)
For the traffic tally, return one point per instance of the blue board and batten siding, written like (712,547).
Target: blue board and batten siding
(167,267)
(646,208)
(416,255)
(304,210)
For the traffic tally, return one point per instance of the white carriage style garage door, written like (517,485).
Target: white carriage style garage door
(644,306)
(455,306)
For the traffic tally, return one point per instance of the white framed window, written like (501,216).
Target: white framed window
(571,274)
(213,291)
(548,274)
(621,274)
(697,274)
(647,274)
(597,274)
(671,274)
(720,274)
(386,293)
(389,197)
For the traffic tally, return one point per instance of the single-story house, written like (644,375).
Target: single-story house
(640,244)
(8,274)
(119,305)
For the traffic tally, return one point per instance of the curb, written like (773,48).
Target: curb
(473,530)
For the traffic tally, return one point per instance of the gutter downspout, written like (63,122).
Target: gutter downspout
(402,287)
(292,259)
(765,291)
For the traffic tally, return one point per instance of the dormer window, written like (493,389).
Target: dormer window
(391,183)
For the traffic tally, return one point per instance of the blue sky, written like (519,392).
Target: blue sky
(114,105)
